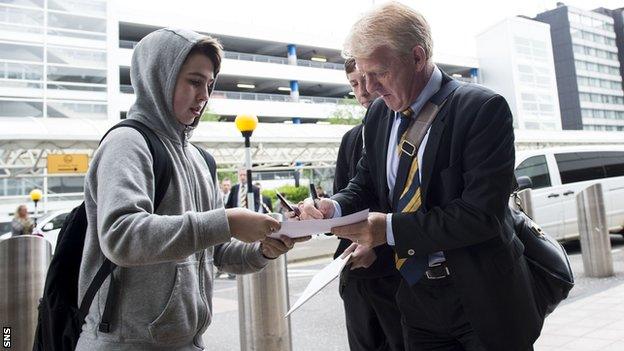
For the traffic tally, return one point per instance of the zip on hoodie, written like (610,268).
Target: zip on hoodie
(193,177)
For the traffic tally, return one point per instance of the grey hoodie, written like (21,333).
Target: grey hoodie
(165,255)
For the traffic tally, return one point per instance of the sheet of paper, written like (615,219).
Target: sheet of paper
(320,280)
(296,229)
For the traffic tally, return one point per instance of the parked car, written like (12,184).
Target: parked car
(559,174)
(49,226)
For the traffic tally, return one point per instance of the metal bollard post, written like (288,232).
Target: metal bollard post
(262,304)
(527,203)
(24,263)
(592,224)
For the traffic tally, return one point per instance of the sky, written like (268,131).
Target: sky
(454,23)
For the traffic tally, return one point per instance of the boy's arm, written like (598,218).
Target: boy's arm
(130,234)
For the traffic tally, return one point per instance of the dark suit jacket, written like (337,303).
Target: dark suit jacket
(467,173)
(348,156)
(233,199)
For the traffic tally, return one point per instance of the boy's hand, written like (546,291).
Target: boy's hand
(249,226)
(272,248)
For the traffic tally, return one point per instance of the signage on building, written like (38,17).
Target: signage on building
(68,163)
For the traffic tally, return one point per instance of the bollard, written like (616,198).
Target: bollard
(262,304)
(24,261)
(525,200)
(592,224)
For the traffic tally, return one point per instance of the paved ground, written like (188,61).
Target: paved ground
(592,318)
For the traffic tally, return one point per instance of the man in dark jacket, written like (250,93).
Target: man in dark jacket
(442,197)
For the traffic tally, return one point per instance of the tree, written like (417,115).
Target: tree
(348,111)
(209,116)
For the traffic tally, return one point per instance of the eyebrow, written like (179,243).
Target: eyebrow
(200,75)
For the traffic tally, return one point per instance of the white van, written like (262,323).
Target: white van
(559,174)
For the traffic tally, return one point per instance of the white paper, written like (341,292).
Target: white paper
(296,229)
(320,280)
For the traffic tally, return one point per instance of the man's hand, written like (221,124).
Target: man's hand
(362,256)
(369,233)
(272,248)
(325,209)
(248,226)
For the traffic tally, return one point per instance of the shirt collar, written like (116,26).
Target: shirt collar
(432,87)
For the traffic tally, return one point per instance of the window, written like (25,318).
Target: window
(74,57)
(21,108)
(614,164)
(73,22)
(19,52)
(60,185)
(580,166)
(535,168)
(76,75)
(57,222)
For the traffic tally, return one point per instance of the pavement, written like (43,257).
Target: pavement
(595,322)
(591,318)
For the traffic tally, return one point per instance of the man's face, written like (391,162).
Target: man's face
(242,176)
(191,89)
(226,185)
(358,84)
(398,81)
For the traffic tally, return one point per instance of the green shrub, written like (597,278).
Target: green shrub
(290,192)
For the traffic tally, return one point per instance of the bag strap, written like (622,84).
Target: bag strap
(418,129)
(416,132)
(163,171)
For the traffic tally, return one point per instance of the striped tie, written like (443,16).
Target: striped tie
(409,200)
(242,202)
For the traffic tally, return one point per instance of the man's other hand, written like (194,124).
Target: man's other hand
(362,256)
(370,233)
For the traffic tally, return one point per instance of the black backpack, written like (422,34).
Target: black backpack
(60,319)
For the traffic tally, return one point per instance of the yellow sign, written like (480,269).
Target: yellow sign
(68,163)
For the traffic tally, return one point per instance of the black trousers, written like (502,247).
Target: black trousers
(433,317)
(372,316)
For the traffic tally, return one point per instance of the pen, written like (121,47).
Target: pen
(313,195)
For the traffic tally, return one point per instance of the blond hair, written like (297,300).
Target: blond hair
(393,25)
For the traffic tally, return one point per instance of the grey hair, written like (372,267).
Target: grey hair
(392,25)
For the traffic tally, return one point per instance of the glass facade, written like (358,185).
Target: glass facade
(597,70)
(537,96)
(52,45)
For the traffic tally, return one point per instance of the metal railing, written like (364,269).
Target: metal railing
(234,95)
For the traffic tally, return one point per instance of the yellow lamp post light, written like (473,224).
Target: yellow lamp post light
(246,124)
(35,196)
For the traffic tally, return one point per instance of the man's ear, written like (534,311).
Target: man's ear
(419,57)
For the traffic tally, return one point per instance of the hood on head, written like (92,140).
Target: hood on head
(156,62)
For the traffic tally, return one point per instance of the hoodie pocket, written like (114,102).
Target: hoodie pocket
(179,318)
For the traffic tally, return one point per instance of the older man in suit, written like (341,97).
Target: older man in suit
(466,284)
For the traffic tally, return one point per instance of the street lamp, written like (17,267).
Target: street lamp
(35,196)
(246,124)
(262,296)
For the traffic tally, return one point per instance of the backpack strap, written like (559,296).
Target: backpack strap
(163,171)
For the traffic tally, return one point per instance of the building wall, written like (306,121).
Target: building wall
(516,61)
(565,70)
(588,70)
(53,59)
